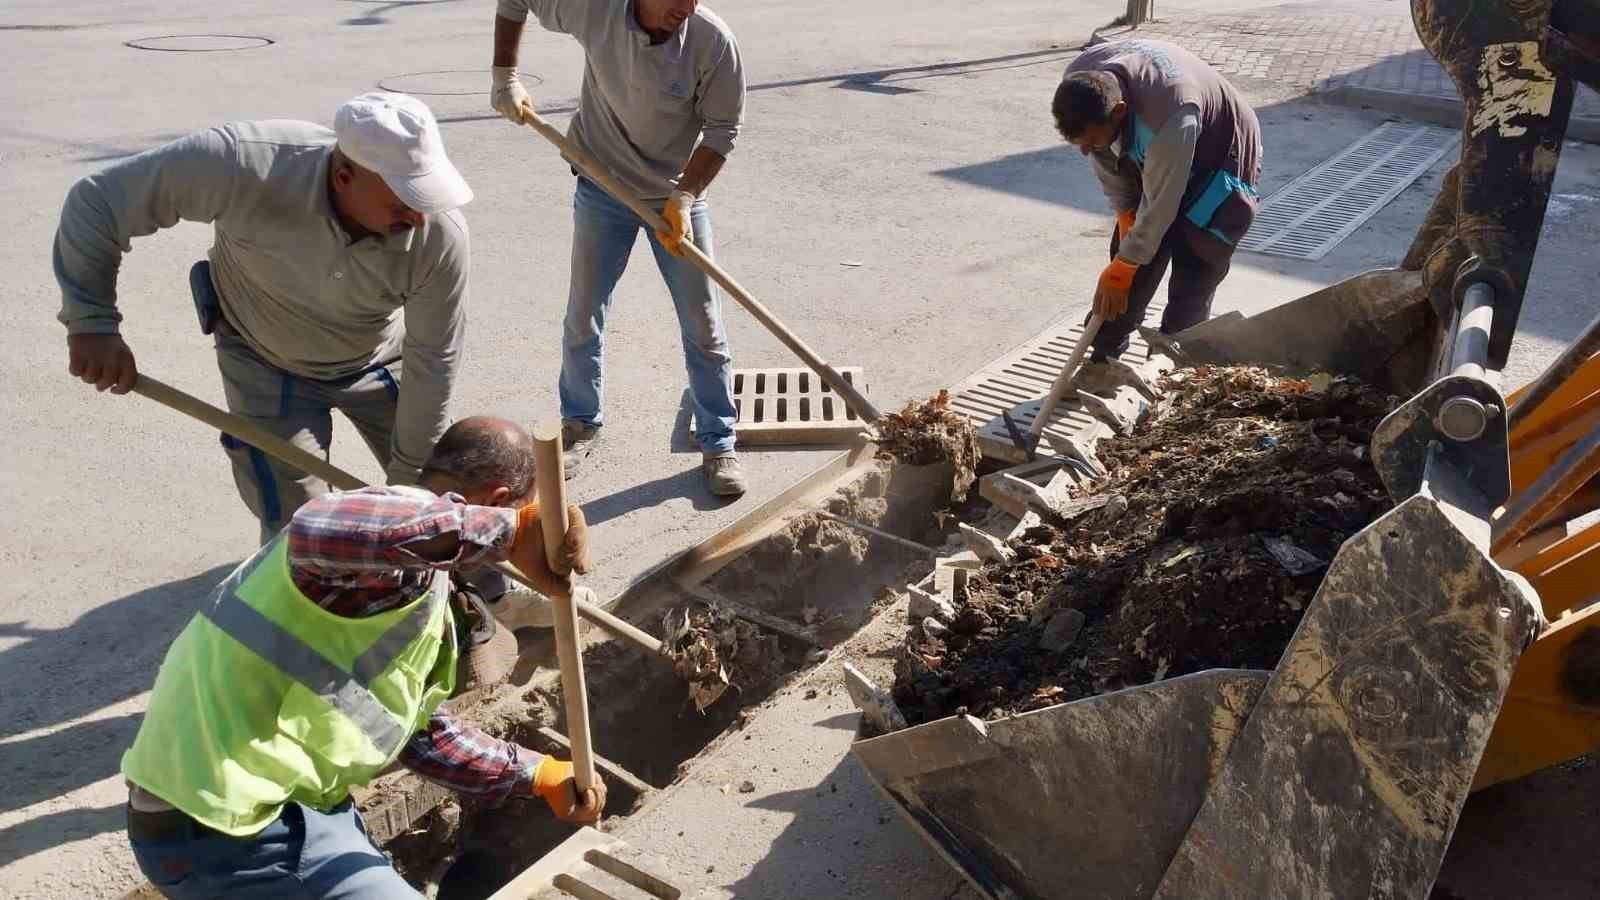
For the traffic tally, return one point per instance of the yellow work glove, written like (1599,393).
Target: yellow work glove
(527,553)
(507,95)
(1111,295)
(1125,223)
(553,781)
(676,212)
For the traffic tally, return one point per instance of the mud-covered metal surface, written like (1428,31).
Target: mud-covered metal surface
(1517,107)
(1376,326)
(1086,799)
(1349,776)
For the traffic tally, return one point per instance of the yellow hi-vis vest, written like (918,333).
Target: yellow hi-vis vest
(266,697)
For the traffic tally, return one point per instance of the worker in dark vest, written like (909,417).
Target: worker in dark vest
(1178,152)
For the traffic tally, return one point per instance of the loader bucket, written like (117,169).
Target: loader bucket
(1088,799)
(1377,325)
(1342,772)
(1339,774)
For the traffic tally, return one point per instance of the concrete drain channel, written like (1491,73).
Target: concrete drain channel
(793,560)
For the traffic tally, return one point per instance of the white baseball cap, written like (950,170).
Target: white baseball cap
(396,136)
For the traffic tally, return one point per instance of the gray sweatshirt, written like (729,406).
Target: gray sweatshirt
(645,107)
(1157,191)
(292,283)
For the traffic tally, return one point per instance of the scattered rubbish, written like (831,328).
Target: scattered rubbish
(1294,560)
(713,649)
(747,787)
(1196,551)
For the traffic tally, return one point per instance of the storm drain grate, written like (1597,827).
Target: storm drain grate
(1310,215)
(794,406)
(1017,382)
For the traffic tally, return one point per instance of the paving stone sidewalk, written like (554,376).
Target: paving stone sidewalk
(1364,52)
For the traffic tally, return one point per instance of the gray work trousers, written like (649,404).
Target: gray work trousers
(299,410)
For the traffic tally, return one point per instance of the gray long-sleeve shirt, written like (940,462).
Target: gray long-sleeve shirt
(296,287)
(1157,190)
(645,107)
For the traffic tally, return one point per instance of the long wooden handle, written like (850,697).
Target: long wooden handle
(552,489)
(1064,380)
(289,454)
(594,172)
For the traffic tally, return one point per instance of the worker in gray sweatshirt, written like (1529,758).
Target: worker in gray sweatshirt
(1178,153)
(339,262)
(661,106)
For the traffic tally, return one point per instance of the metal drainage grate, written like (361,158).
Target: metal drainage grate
(1310,215)
(1018,381)
(794,406)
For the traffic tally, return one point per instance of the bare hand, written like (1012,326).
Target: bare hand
(102,360)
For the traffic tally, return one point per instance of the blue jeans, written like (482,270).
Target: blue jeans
(303,854)
(603,234)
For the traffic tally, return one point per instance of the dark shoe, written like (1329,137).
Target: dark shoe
(724,475)
(579,439)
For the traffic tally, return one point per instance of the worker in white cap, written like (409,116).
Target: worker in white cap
(337,279)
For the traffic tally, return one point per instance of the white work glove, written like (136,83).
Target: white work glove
(507,95)
(679,223)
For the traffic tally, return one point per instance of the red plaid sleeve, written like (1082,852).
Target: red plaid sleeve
(455,755)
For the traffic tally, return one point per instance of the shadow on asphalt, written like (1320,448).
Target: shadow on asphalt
(41,833)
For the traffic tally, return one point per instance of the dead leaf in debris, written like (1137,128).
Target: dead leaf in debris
(1320,382)
(705,693)
(1046,561)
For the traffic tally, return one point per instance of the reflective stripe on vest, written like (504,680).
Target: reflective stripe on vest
(347,692)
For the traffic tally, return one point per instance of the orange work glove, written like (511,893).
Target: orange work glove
(1125,223)
(553,781)
(1111,296)
(676,212)
(527,553)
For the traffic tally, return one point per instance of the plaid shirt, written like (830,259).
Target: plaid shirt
(348,553)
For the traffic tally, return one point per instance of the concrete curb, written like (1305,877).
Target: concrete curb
(1446,111)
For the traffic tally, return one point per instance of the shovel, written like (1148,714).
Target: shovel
(853,398)
(552,494)
(289,454)
(1029,443)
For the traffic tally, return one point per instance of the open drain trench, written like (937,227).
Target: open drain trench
(798,568)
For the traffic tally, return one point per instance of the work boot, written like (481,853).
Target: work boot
(522,607)
(579,439)
(724,475)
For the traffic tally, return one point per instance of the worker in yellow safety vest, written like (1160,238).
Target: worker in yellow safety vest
(323,659)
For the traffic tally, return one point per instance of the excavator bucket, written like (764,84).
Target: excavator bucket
(1344,770)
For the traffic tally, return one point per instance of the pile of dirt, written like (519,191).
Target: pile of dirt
(931,432)
(1234,497)
(712,649)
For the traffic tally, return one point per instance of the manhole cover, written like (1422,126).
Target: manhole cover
(199,43)
(447,83)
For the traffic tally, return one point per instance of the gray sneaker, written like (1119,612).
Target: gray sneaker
(579,440)
(724,475)
(523,607)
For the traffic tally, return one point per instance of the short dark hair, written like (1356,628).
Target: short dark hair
(1083,99)
(482,451)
